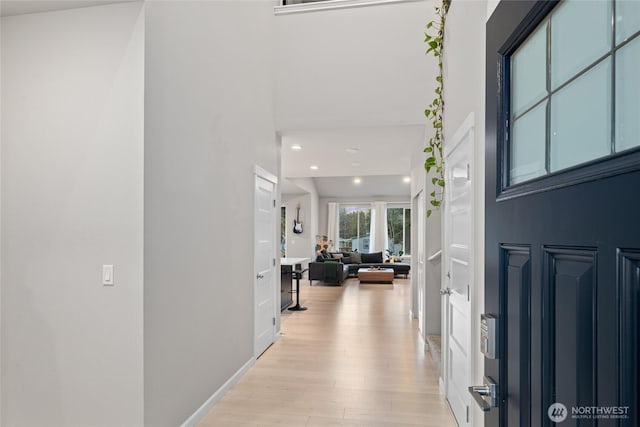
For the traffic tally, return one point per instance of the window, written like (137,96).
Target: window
(399,229)
(354,227)
(574,89)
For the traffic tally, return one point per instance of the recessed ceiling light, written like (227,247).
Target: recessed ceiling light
(313,167)
(352,150)
(406,180)
(355,164)
(357,180)
(296,147)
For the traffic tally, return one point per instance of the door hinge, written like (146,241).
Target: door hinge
(274,203)
(468,171)
(274,324)
(468,294)
(467,414)
(274,262)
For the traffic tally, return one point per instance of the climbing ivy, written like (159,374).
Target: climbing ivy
(434,37)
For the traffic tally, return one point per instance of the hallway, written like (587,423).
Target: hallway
(352,359)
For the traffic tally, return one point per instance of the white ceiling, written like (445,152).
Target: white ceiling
(369,187)
(380,151)
(21,7)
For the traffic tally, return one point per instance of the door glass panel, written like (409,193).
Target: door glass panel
(581,119)
(528,145)
(529,68)
(628,96)
(627,19)
(580,34)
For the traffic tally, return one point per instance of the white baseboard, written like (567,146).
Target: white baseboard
(200,413)
(423,342)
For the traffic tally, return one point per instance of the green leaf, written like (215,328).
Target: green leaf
(428,213)
(428,150)
(435,203)
(441,182)
(430,24)
(433,194)
(433,180)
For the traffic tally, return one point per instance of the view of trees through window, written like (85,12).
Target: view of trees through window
(399,229)
(355,228)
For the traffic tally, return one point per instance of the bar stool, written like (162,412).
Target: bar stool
(297,275)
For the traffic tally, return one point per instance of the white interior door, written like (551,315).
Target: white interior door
(421,285)
(264,263)
(457,280)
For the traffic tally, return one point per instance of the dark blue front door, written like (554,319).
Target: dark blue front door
(563,232)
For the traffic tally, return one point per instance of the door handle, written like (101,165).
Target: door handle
(486,395)
(259,276)
(445,291)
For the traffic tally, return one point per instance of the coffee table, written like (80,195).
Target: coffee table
(383,275)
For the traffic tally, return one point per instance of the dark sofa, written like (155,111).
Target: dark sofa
(335,267)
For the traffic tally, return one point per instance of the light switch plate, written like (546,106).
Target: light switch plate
(107,275)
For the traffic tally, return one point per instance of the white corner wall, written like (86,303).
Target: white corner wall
(464,93)
(72,192)
(208,122)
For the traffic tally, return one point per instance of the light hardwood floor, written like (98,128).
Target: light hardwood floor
(352,359)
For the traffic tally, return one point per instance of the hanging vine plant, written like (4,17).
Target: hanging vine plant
(434,37)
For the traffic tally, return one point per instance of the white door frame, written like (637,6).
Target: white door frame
(420,276)
(463,139)
(264,174)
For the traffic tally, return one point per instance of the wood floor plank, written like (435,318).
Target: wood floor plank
(352,359)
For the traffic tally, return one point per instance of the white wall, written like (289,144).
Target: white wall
(356,67)
(302,245)
(464,93)
(299,245)
(208,121)
(72,192)
(1,364)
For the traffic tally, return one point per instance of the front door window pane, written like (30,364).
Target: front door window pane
(580,34)
(527,146)
(581,119)
(627,19)
(529,63)
(628,96)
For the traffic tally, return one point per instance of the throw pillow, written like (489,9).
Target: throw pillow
(336,256)
(356,257)
(346,260)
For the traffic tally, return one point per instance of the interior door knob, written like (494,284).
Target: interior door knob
(445,291)
(259,276)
